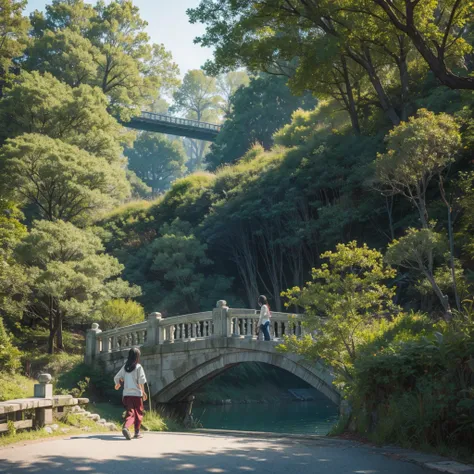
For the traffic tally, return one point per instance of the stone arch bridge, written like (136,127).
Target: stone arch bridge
(181,353)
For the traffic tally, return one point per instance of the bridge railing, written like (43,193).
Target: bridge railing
(188,327)
(179,121)
(244,323)
(220,322)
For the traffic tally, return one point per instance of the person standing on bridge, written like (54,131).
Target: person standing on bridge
(265,315)
(133,377)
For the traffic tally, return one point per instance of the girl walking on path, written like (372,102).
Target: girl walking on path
(133,377)
(265,315)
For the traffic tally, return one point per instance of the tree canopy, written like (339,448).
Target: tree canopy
(104,45)
(157,161)
(71,274)
(256,113)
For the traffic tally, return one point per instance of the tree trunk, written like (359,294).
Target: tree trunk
(365,61)
(442,298)
(437,64)
(404,80)
(389,207)
(52,329)
(351,108)
(451,244)
(59,335)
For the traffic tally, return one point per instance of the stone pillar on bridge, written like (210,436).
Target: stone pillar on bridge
(220,320)
(154,332)
(91,343)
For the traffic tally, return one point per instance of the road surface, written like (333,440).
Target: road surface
(197,453)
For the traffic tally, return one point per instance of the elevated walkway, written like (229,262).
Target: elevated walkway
(181,127)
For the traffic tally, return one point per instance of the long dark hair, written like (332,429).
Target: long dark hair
(262,299)
(133,359)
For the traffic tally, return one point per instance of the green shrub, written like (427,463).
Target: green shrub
(154,421)
(120,312)
(417,389)
(9,354)
(13,386)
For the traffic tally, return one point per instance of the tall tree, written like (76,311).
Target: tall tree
(105,46)
(14,287)
(198,99)
(258,111)
(227,85)
(419,152)
(177,261)
(286,37)
(156,160)
(346,295)
(42,104)
(13,35)
(60,180)
(72,275)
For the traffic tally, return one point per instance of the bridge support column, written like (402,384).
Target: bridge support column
(91,343)
(220,320)
(153,336)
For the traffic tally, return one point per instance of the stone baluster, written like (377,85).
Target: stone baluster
(169,334)
(248,329)
(106,344)
(98,340)
(236,331)
(198,326)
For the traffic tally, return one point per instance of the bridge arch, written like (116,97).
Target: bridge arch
(315,375)
(181,353)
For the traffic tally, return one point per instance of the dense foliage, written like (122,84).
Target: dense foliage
(342,186)
(256,113)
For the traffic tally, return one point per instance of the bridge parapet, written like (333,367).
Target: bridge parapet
(222,321)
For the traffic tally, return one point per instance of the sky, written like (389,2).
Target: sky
(167,24)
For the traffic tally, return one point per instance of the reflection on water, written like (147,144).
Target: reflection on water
(297,417)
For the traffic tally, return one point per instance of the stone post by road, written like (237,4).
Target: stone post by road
(44,389)
(91,343)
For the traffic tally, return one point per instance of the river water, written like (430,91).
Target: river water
(294,417)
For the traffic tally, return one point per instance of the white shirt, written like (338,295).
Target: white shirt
(131,381)
(264,315)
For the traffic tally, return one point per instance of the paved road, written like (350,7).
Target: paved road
(197,453)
